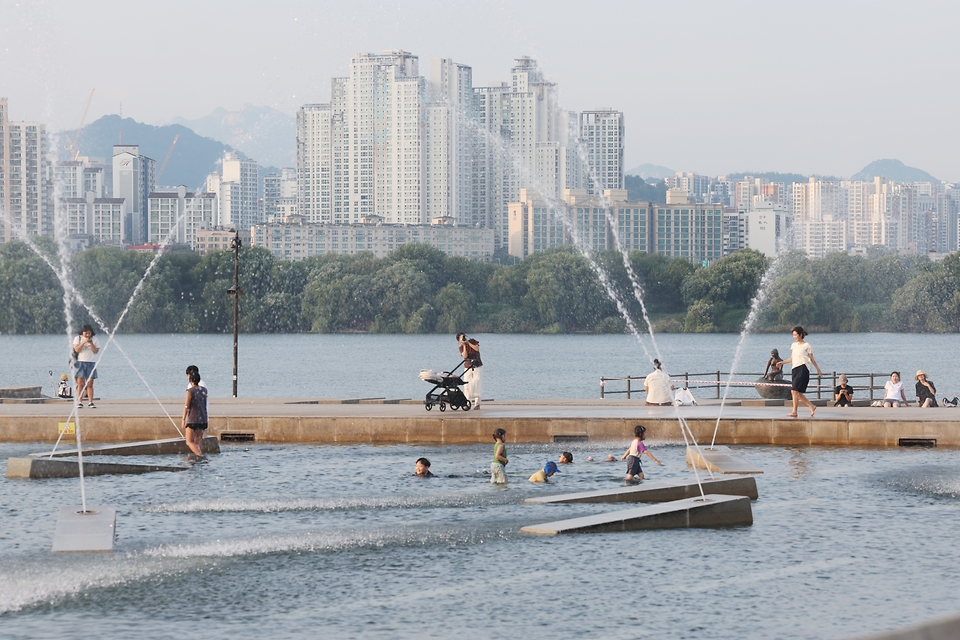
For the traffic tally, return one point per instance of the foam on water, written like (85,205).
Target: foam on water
(244,505)
(47,580)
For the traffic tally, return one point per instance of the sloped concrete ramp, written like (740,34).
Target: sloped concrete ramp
(659,491)
(703,512)
(33,469)
(168,446)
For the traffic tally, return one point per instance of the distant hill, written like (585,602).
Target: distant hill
(193,158)
(894,170)
(649,171)
(264,134)
(639,190)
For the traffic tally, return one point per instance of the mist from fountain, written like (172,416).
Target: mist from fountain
(756,306)
(559,210)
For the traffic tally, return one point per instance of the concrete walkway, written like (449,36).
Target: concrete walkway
(310,420)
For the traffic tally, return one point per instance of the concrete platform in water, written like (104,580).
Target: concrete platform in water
(710,510)
(311,420)
(658,492)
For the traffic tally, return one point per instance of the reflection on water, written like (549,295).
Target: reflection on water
(345,539)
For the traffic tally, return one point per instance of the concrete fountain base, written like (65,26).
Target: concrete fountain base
(90,530)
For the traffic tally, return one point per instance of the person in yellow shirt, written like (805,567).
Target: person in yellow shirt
(548,470)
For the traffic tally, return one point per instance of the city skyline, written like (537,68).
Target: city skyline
(711,88)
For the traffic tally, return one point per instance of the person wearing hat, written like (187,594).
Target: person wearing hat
(926,392)
(548,470)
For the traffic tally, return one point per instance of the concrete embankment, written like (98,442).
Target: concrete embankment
(373,421)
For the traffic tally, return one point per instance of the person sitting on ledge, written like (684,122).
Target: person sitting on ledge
(926,392)
(548,470)
(658,387)
(893,392)
(843,393)
(423,468)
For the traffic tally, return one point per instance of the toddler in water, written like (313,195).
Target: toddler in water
(497,475)
(632,456)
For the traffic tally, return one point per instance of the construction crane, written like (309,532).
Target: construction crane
(73,148)
(167,157)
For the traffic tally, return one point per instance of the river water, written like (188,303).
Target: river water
(515,366)
(341,541)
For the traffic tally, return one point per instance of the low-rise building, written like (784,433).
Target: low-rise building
(295,239)
(213,239)
(679,229)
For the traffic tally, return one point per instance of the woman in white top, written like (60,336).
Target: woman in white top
(893,395)
(657,385)
(800,360)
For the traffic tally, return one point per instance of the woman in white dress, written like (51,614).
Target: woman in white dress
(800,360)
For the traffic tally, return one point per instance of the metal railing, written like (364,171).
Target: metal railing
(718,380)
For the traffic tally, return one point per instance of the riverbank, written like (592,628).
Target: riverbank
(402,421)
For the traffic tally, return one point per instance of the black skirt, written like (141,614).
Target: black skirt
(800,378)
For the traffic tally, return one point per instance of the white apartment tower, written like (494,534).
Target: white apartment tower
(26,184)
(449,141)
(134,177)
(522,138)
(315,163)
(601,137)
(236,190)
(176,216)
(377,139)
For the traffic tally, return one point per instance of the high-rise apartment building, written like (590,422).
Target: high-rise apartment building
(236,189)
(315,163)
(134,177)
(177,216)
(601,136)
(449,141)
(275,187)
(101,220)
(26,180)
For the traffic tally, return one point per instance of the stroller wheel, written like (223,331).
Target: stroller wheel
(466,407)
(454,406)
(428,406)
(443,407)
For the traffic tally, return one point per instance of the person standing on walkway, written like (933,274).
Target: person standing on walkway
(86,347)
(194,420)
(470,352)
(800,360)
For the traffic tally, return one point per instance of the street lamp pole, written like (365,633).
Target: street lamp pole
(236,292)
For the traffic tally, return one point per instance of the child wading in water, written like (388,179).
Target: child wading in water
(497,476)
(632,456)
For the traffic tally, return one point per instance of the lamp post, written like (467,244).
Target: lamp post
(236,292)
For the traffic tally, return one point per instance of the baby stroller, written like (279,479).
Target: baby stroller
(449,390)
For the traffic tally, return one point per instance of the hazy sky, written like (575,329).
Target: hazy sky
(711,87)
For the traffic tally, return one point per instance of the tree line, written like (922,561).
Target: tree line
(418,289)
